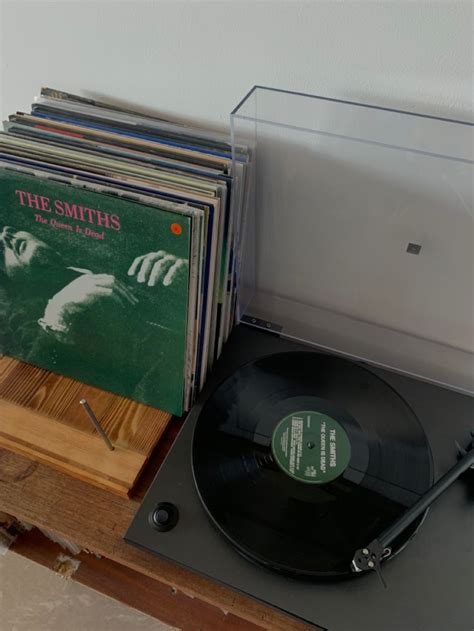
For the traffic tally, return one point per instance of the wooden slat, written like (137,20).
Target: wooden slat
(129,424)
(68,449)
(40,417)
(97,520)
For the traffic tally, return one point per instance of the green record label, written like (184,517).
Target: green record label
(311,447)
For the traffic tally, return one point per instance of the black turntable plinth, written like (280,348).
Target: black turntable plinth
(292,460)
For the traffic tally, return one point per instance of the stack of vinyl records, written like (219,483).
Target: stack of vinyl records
(118,246)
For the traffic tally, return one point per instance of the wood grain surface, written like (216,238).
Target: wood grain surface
(40,417)
(96,520)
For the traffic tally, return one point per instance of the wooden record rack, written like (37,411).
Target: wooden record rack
(41,418)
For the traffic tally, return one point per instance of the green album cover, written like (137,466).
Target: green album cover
(95,287)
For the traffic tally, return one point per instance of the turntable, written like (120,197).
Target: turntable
(310,474)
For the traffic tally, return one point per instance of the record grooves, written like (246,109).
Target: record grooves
(300,458)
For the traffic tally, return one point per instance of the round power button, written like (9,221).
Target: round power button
(164,516)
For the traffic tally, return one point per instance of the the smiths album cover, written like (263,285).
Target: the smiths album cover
(94,287)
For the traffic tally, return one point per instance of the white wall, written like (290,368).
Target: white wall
(195,60)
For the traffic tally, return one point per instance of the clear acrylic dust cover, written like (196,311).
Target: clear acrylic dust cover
(358,233)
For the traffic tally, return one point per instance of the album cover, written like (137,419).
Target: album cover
(95,287)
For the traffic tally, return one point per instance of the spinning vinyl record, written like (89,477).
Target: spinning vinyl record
(302,458)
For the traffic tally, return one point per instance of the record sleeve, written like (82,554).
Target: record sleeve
(72,299)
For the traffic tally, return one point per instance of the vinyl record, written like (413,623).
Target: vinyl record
(302,458)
